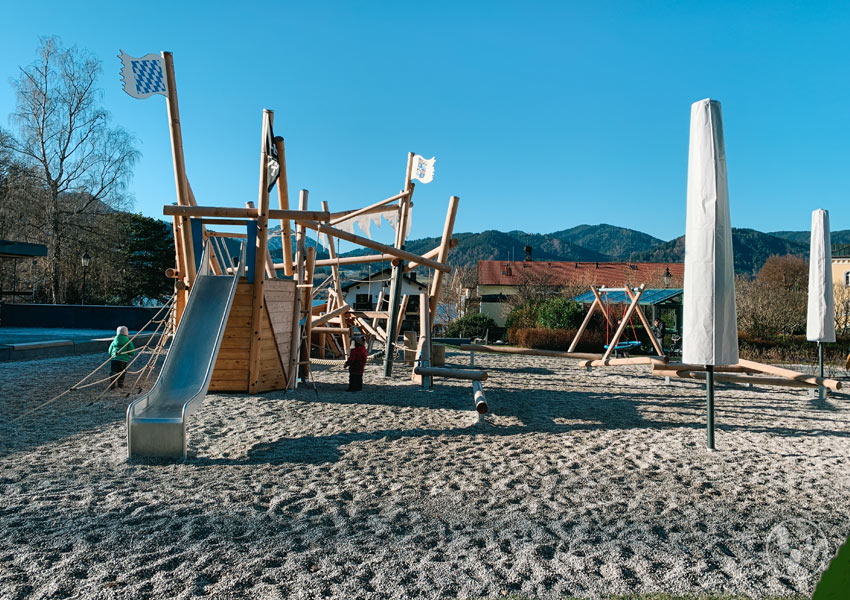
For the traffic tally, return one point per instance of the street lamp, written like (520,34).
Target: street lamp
(86,261)
(668,277)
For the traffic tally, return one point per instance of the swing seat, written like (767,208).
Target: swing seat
(624,347)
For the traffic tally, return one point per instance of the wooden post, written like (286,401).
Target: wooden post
(283,204)
(306,302)
(398,270)
(587,317)
(346,339)
(623,324)
(300,251)
(423,350)
(269,265)
(658,349)
(443,255)
(478,397)
(188,267)
(258,298)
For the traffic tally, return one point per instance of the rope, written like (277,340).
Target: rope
(79,385)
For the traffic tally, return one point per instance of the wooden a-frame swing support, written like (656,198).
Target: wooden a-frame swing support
(635,295)
(261,314)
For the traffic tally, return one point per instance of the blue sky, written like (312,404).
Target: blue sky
(542,116)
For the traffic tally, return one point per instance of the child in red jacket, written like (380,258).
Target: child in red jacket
(356,364)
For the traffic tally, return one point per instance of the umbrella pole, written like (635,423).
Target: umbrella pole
(821,390)
(709,406)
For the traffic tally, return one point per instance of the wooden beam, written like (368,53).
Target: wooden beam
(230,212)
(430,254)
(658,349)
(180,179)
(831,384)
(217,221)
(364,241)
(307,215)
(370,314)
(614,362)
(623,324)
(443,255)
(659,366)
(405,299)
(739,379)
(258,297)
(337,218)
(283,204)
(339,330)
(529,351)
(478,398)
(337,280)
(269,265)
(468,374)
(298,276)
(328,316)
(597,302)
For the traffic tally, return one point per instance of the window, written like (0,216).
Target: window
(363,302)
(846,278)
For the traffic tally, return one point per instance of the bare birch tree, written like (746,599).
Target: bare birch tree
(64,137)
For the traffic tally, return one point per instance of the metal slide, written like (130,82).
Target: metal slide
(156,421)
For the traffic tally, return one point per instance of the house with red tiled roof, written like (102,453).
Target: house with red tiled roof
(499,279)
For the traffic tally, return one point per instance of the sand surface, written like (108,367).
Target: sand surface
(577,483)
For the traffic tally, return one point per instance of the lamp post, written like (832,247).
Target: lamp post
(668,277)
(86,261)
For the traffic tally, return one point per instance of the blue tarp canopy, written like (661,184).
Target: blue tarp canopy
(649,297)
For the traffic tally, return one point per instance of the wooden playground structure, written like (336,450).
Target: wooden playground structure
(273,324)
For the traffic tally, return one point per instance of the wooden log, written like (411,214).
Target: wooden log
(364,241)
(478,397)
(739,379)
(337,279)
(443,255)
(230,212)
(658,349)
(623,324)
(379,209)
(597,302)
(469,374)
(328,316)
(283,204)
(269,266)
(307,301)
(409,347)
(529,351)
(300,246)
(831,384)
(339,330)
(430,254)
(401,312)
(423,349)
(180,179)
(370,314)
(307,215)
(660,366)
(215,221)
(258,299)
(348,215)
(613,362)
(363,324)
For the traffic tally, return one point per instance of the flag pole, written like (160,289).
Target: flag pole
(182,183)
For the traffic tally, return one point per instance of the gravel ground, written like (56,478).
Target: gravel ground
(578,483)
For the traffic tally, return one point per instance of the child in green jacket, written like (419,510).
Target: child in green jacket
(121,349)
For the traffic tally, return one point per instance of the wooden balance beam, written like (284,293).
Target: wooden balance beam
(529,351)
(478,397)
(614,362)
(748,367)
(738,379)
(468,374)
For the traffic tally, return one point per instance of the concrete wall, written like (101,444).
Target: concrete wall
(72,316)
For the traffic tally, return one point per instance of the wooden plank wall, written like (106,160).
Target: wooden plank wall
(231,367)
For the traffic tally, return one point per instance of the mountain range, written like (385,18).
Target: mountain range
(600,243)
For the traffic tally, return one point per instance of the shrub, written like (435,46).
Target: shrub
(523,316)
(560,313)
(471,325)
(556,339)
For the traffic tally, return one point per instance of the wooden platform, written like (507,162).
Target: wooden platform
(231,367)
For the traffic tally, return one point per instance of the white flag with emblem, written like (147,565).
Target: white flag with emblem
(143,77)
(423,168)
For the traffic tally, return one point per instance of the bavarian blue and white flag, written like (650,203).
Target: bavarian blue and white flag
(423,168)
(143,77)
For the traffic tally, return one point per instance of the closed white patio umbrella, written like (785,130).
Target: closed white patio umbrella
(710,332)
(820,318)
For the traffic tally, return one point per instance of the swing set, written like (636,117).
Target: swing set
(614,344)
